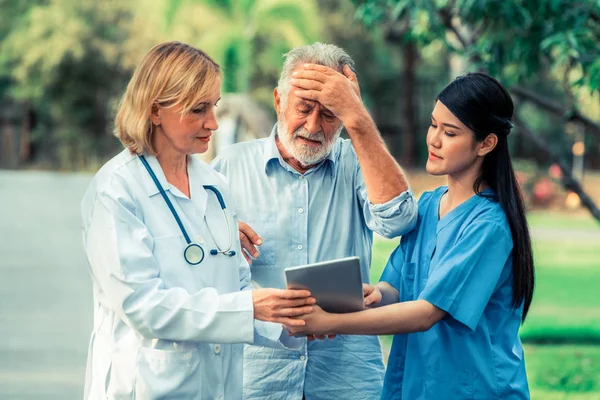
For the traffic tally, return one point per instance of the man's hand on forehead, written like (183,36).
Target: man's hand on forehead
(338,93)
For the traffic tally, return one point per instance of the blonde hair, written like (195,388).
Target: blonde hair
(171,74)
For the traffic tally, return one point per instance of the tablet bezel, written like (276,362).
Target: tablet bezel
(335,284)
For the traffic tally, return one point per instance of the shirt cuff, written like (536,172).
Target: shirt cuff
(393,206)
(393,218)
(236,309)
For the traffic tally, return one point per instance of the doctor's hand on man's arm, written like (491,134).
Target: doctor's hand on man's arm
(249,240)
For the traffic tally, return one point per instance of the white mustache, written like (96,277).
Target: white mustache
(317,137)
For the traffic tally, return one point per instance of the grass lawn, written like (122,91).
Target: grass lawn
(566,307)
(563,371)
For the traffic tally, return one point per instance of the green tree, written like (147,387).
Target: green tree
(63,58)
(511,39)
(524,43)
(516,41)
(246,36)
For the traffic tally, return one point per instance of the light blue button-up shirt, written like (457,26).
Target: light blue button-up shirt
(321,215)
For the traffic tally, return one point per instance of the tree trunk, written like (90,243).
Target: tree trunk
(568,181)
(25,148)
(409,105)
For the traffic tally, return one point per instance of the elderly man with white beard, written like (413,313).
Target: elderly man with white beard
(311,196)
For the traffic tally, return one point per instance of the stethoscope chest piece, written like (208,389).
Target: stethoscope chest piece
(193,254)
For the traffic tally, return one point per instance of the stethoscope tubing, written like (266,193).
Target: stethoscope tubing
(190,246)
(166,198)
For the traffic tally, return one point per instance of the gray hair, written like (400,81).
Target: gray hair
(317,53)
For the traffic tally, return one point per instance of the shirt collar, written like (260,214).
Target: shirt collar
(271,152)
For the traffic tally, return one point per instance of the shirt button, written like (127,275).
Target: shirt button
(301,210)
(300,247)
(302,358)
(200,239)
(217,349)
(300,176)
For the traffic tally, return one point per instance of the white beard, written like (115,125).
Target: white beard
(306,155)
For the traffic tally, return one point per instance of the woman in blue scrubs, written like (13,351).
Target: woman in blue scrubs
(457,288)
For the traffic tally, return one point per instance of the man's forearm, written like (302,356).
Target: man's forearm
(383,176)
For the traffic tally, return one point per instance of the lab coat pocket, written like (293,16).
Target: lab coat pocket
(120,376)
(168,373)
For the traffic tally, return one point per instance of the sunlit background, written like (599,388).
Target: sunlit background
(64,64)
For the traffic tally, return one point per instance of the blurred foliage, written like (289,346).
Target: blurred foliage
(512,39)
(63,58)
(65,63)
(69,60)
(566,369)
(550,47)
(247,38)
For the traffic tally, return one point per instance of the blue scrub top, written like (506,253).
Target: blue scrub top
(461,263)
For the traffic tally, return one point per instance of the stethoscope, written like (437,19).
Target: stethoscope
(194,253)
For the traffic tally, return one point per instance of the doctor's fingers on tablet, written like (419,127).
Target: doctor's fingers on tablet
(291,312)
(306,301)
(293,293)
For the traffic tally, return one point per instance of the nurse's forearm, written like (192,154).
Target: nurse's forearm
(406,317)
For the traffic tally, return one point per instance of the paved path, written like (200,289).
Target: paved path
(45,289)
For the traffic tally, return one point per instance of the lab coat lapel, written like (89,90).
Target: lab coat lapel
(198,177)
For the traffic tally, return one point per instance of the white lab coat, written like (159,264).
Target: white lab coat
(164,328)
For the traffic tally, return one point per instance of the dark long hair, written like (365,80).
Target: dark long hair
(484,106)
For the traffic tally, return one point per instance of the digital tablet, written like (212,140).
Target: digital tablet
(335,284)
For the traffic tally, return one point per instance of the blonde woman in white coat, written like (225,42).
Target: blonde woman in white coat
(173,301)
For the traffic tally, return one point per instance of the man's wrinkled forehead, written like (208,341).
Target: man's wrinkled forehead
(309,104)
